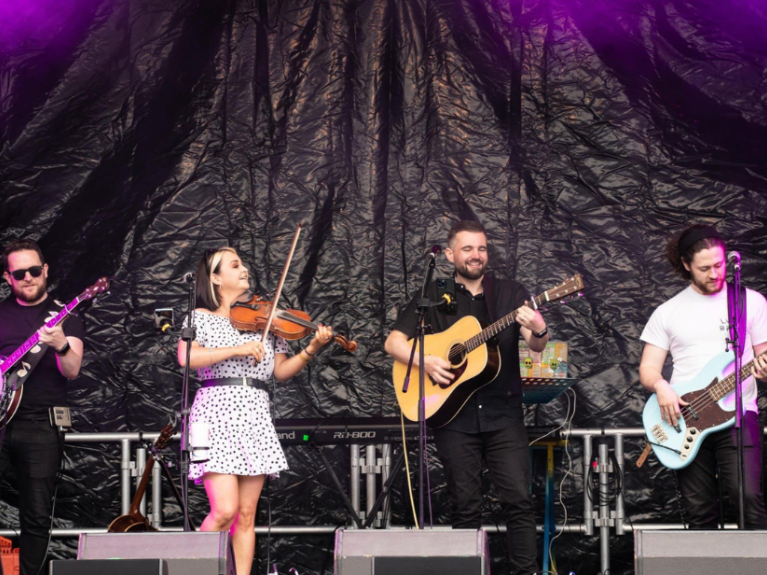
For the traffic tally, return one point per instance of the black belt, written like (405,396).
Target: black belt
(241,381)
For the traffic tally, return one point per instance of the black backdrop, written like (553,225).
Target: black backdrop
(134,134)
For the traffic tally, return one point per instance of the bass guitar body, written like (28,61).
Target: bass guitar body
(674,448)
(472,371)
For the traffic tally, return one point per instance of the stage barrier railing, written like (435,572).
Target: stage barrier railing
(371,461)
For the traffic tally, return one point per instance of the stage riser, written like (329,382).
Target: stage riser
(201,553)
(104,567)
(700,552)
(411,552)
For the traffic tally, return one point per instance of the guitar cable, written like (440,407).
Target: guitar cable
(59,475)
(266,491)
(50,531)
(664,447)
(568,422)
(407,469)
(592,481)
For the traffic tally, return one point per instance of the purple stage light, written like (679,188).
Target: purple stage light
(26,23)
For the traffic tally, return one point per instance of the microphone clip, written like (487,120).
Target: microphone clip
(163,319)
(446,295)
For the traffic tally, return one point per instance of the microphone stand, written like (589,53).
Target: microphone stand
(423,306)
(738,342)
(188,335)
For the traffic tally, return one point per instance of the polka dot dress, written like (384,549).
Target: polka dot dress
(243,440)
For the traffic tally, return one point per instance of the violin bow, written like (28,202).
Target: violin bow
(276,298)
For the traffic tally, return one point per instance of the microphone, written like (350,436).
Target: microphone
(734,258)
(435,251)
(188,278)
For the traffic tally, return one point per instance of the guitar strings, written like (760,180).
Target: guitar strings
(708,399)
(490,331)
(721,388)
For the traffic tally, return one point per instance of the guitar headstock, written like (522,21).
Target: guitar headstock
(99,287)
(165,435)
(568,287)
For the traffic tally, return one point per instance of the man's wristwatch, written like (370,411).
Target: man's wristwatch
(64,350)
(543,333)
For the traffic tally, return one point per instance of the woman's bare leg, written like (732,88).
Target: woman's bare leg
(224,498)
(243,530)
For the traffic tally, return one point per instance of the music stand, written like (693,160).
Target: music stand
(545,389)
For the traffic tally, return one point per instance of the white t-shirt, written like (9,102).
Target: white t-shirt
(694,327)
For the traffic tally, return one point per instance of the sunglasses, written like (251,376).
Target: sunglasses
(34,271)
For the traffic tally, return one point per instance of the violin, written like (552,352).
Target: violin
(292,324)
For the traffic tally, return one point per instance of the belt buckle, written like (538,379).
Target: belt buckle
(244,382)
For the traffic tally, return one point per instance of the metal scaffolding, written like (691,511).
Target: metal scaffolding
(602,517)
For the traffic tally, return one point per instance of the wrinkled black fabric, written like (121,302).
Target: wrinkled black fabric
(134,134)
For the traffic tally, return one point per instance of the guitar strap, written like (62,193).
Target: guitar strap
(742,315)
(20,372)
(487,287)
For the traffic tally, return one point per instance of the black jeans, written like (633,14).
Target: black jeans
(697,481)
(506,455)
(34,449)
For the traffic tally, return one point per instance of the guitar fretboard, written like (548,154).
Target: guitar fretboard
(494,329)
(727,385)
(35,339)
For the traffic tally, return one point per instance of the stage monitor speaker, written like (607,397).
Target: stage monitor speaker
(104,566)
(411,552)
(700,552)
(187,553)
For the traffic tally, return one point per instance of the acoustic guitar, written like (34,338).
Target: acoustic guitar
(676,446)
(12,397)
(474,360)
(134,521)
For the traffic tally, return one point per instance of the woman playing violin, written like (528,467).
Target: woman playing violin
(233,367)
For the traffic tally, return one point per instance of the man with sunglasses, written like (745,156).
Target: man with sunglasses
(30,443)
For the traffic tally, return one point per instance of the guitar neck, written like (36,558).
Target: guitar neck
(727,385)
(35,339)
(142,486)
(497,327)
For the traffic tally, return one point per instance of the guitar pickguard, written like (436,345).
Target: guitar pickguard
(458,360)
(711,415)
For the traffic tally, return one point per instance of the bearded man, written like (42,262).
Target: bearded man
(693,327)
(490,426)
(31,444)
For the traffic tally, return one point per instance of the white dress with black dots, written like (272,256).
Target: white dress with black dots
(243,440)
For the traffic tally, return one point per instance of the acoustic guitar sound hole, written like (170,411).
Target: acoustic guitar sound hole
(457,355)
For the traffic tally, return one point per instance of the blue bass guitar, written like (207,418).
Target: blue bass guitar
(676,447)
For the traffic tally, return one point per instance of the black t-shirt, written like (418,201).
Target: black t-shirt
(497,404)
(45,387)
